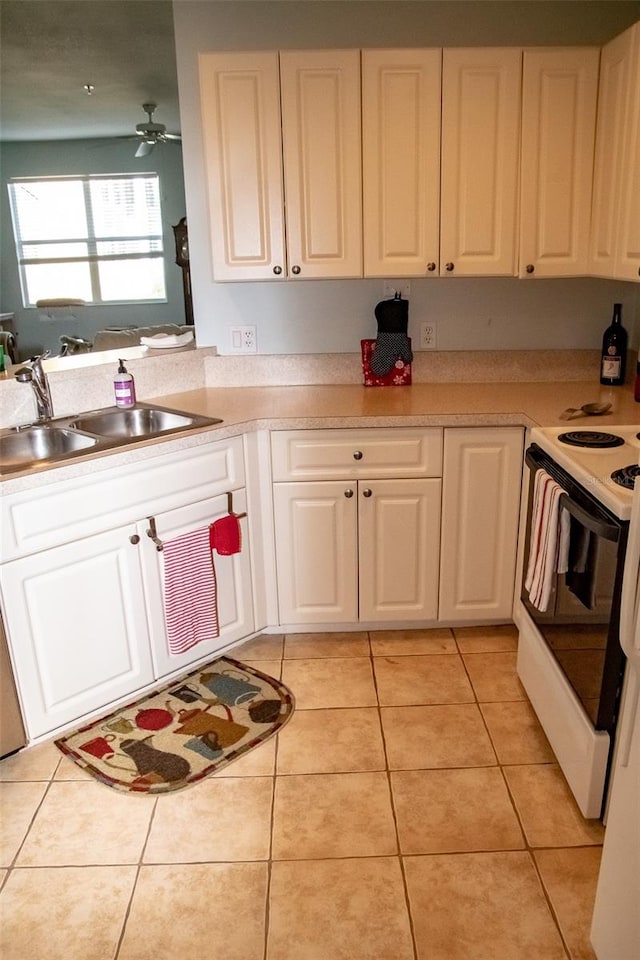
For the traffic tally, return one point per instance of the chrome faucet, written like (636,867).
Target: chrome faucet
(35,375)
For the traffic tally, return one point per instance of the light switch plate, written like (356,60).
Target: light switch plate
(243,339)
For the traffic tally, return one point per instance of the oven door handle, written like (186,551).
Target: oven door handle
(608,531)
(605,530)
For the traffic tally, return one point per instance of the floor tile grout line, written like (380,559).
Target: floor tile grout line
(405,886)
(139,865)
(32,820)
(270,860)
(531,852)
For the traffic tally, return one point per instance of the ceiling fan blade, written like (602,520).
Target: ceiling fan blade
(144,149)
(172,136)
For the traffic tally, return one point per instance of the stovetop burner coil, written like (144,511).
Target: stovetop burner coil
(591,438)
(626,476)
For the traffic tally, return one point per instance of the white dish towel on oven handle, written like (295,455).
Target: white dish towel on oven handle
(549,543)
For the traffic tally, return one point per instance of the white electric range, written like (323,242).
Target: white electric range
(570,659)
(594,466)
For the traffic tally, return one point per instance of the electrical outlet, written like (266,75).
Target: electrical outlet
(391,287)
(243,339)
(428,333)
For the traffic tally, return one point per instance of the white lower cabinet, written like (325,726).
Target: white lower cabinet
(84,610)
(357,550)
(399,544)
(482,473)
(77,623)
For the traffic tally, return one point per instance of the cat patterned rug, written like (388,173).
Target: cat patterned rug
(180,734)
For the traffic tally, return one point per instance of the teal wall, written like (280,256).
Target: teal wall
(319,316)
(69,157)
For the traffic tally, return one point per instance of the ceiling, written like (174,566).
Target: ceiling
(49,49)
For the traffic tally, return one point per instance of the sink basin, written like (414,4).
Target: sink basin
(31,444)
(135,422)
(98,431)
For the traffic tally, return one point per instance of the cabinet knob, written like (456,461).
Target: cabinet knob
(295,270)
(450,267)
(366,493)
(134,539)
(357,455)
(530,268)
(348,494)
(277,271)
(431,266)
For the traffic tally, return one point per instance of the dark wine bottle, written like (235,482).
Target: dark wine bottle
(614,351)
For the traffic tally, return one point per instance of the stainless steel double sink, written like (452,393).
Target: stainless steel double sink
(63,438)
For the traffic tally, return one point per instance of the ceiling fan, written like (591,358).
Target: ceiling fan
(151,133)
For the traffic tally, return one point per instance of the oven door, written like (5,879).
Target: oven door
(569,659)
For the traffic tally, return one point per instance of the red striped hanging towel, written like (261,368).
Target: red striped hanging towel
(190,600)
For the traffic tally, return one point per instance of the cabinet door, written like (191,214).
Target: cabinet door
(480,161)
(322,161)
(242,137)
(232,575)
(399,548)
(558,130)
(480,508)
(401,162)
(628,251)
(316,552)
(615,66)
(77,627)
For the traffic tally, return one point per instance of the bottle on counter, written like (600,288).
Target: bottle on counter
(614,351)
(124,387)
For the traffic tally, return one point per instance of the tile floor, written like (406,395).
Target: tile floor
(410,810)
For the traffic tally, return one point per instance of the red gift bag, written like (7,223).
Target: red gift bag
(399,376)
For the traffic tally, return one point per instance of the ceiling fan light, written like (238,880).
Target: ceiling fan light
(145,148)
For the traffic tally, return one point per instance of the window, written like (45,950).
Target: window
(94,238)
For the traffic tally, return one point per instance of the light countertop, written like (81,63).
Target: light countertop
(444,404)
(246,409)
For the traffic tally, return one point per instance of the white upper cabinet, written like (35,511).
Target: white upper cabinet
(322,162)
(401,162)
(481,99)
(305,160)
(627,265)
(240,94)
(558,131)
(615,67)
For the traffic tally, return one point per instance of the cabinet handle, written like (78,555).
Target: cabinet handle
(152,533)
(530,268)
(431,266)
(277,271)
(348,494)
(295,270)
(450,267)
(134,539)
(357,455)
(366,493)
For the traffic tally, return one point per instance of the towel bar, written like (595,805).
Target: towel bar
(230,507)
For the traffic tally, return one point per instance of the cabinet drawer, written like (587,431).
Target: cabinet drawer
(69,510)
(375,453)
